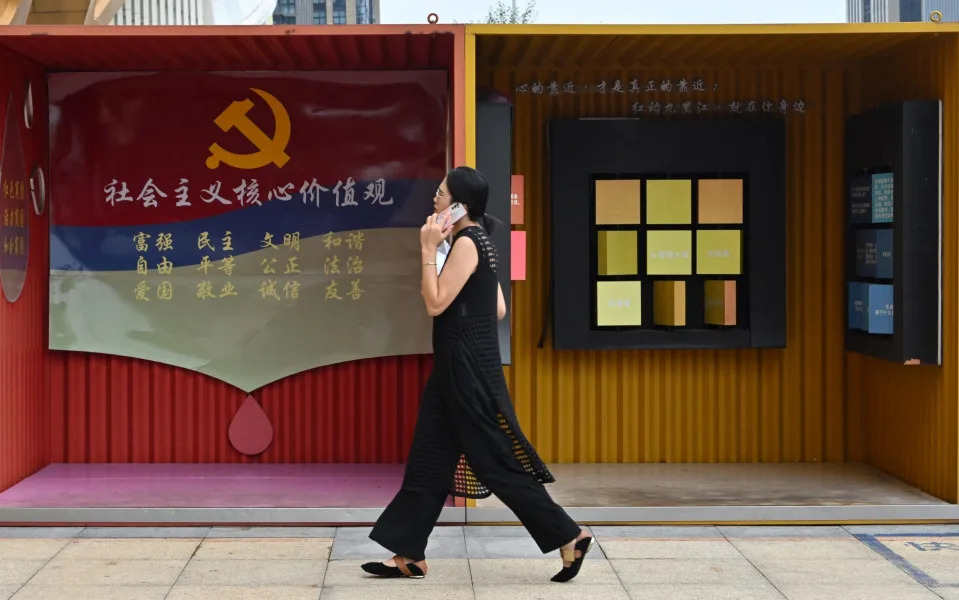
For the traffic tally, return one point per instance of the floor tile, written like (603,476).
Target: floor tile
(18,572)
(7,591)
(853,573)
(896,591)
(438,546)
(30,548)
(516,547)
(144,532)
(129,549)
(65,573)
(399,592)
(440,572)
(271,532)
(92,592)
(265,548)
(808,549)
(902,529)
(488,571)
(687,571)
(690,548)
(253,573)
(573,590)
(784,533)
(936,558)
(755,590)
(191,592)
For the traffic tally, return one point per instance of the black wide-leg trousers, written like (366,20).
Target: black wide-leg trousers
(405,525)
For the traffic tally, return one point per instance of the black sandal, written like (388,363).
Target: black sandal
(582,547)
(402,569)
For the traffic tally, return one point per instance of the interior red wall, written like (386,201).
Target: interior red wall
(113,409)
(23,324)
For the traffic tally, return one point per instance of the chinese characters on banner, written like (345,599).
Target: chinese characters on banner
(14,199)
(693,87)
(351,269)
(271,229)
(248,194)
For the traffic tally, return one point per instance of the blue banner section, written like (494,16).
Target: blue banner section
(112,248)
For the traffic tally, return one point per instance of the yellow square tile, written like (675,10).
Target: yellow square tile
(618,202)
(669,303)
(618,253)
(719,252)
(669,252)
(669,201)
(720,303)
(721,201)
(619,303)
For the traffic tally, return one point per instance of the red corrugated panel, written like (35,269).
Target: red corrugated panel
(23,370)
(112,409)
(365,47)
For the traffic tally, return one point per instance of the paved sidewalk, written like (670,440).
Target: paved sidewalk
(661,563)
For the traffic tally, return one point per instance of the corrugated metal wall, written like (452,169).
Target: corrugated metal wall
(694,406)
(114,409)
(23,379)
(910,413)
(744,406)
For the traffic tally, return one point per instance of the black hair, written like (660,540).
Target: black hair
(470,188)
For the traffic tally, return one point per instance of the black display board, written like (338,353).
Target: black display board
(893,242)
(494,144)
(662,215)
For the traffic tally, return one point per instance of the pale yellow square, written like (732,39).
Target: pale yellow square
(719,252)
(618,202)
(618,253)
(669,201)
(669,252)
(619,303)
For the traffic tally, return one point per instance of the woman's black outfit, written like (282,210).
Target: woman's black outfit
(467,441)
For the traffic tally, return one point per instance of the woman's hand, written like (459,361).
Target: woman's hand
(432,233)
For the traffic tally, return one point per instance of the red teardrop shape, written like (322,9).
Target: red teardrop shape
(251,431)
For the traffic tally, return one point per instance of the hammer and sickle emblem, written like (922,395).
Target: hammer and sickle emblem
(269,150)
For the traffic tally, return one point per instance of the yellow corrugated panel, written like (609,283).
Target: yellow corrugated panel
(808,402)
(911,422)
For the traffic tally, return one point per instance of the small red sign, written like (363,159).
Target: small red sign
(516,200)
(517,255)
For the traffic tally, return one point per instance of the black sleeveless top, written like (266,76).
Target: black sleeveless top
(468,372)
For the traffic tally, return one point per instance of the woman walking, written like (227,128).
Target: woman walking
(467,441)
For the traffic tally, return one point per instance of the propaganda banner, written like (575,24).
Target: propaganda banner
(248,226)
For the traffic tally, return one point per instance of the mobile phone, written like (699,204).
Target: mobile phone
(454,213)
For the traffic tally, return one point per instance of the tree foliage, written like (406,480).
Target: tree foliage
(507,11)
